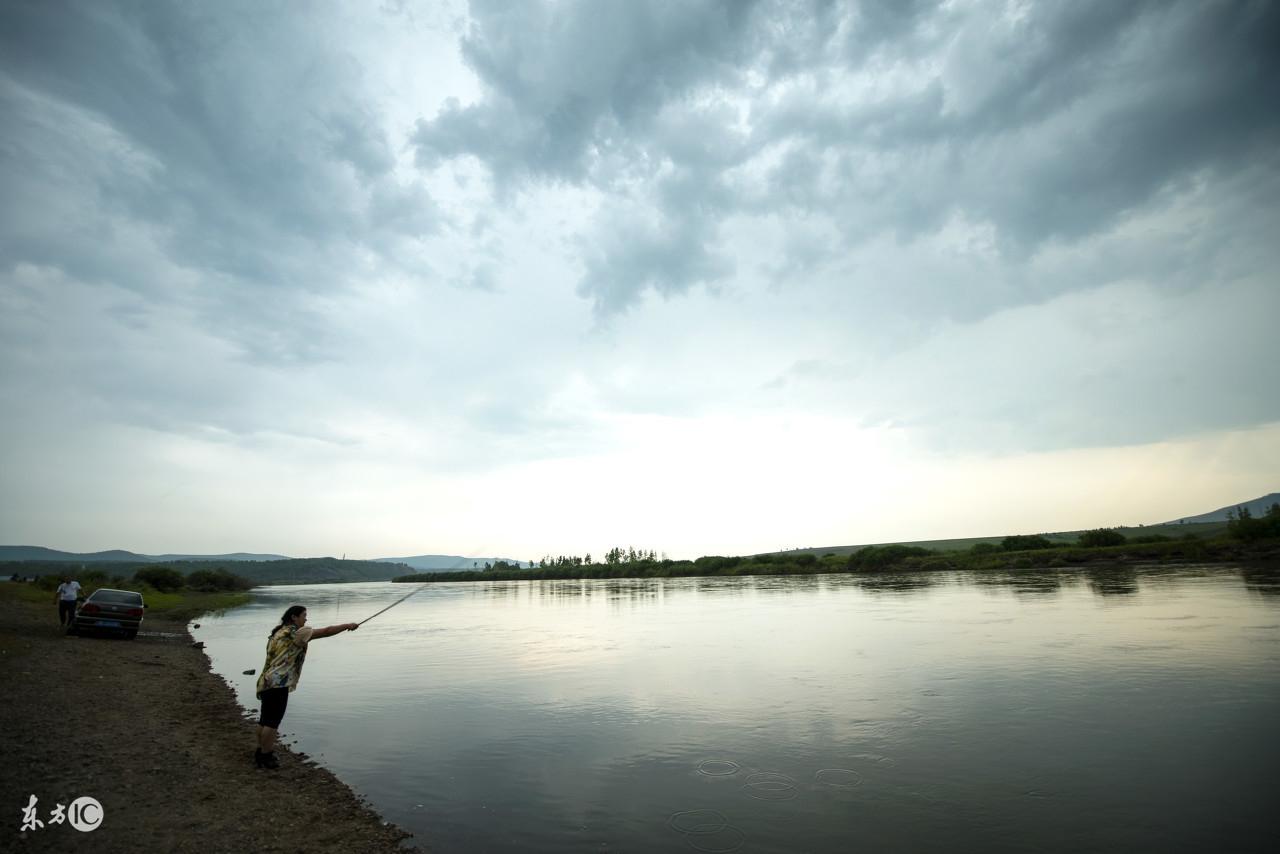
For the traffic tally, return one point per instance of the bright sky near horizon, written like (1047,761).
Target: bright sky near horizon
(706,278)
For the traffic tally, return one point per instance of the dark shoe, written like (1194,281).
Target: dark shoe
(265,760)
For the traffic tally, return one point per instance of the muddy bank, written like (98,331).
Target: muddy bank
(148,731)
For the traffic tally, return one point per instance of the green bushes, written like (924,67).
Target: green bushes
(1243,525)
(214,580)
(1025,543)
(160,578)
(1019,552)
(878,557)
(89,579)
(164,587)
(716,563)
(1101,538)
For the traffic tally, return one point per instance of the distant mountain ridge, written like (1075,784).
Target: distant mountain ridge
(42,553)
(450,563)
(1205,525)
(295,569)
(422,563)
(1257,507)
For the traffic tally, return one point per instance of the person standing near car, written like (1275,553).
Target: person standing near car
(286,651)
(66,596)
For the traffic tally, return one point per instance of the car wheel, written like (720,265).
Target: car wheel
(71,629)
(130,634)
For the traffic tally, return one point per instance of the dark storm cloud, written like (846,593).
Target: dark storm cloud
(567,82)
(665,252)
(1098,107)
(575,94)
(229,170)
(357,137)
(142,140)
(1050,121)
(1056,125)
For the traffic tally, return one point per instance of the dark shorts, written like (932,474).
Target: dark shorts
(66,610)
(274,701)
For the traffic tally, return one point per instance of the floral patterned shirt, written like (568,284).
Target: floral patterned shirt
(286,651)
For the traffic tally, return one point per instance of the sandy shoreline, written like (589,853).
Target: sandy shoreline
(145,728)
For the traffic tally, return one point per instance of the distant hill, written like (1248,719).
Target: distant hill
(1205,525)
(278,569)
(1203,530)
(242,556)
(422,563)
(42,553)
(312,570)
(259,568)
(1257,507)
(447,563)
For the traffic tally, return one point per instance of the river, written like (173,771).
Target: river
(1105,710)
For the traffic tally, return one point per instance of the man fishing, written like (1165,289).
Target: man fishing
(286,651)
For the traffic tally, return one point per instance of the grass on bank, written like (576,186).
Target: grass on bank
(179,603)
(1243,539)
(1199,530)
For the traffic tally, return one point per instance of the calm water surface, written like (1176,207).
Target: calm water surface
(1103,711)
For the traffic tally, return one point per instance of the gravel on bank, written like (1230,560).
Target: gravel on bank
(146,729)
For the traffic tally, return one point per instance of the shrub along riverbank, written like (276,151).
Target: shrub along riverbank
(1014,553)
(313,570)
(167,593)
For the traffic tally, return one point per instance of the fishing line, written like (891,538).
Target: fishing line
(384,610)
(410,593)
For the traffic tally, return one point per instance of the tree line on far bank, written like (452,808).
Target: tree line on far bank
(160,579)
(319,570)
(1243,525)
(1013,552)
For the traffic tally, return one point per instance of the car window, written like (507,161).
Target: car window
(117,597)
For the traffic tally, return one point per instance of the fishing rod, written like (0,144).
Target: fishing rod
(392,605)
(371,616)
(405,596)
(384,610)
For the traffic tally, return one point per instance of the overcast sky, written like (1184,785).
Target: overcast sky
(704,278)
